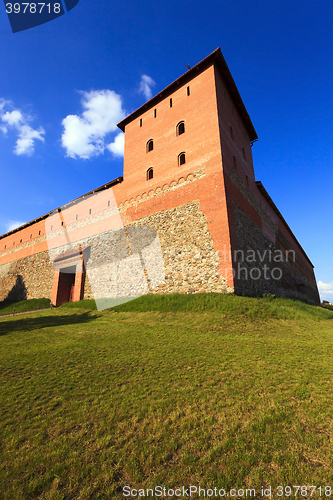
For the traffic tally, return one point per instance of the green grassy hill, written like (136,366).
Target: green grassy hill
(197,390)
(10,307)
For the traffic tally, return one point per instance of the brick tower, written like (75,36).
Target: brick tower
(188,174)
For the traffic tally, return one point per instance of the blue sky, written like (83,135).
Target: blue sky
(63,86)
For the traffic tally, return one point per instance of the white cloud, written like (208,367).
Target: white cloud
(13,118)
(25,142)
(18,121)
(117,146)
(146,85)
(326,291)
(3,103)
(13,224)
(84,136)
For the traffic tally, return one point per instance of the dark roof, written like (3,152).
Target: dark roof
(214,57)
(277,211)
(42,217)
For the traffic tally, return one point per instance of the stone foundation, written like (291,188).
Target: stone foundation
(28,278)
(287,274)
(190,261)
(191,264)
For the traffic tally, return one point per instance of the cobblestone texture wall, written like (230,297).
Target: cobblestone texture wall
(190,261)
(269,269)
(191,264)
(28,278)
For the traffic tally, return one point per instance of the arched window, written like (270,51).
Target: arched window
(232,133)
(150,174)
(180,129)
(150,145)
(181,159)
(234,162)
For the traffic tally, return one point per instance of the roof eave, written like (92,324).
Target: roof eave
(277,211)
(42,217)
(215,56)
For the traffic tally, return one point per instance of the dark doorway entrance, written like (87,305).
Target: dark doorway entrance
(66,285)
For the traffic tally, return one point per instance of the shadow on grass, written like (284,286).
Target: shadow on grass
(12,325)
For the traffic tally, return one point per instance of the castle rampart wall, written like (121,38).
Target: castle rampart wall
(27,278)
(186,215)
(278,265)
(204,210)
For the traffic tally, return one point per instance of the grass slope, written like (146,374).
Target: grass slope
(205,391)
(231,305)
(7,306)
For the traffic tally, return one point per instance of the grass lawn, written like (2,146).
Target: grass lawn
(8,307)
(207,390)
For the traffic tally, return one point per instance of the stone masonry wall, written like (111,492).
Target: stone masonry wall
(268,269)
(191,264)
(190,261)
(28,278)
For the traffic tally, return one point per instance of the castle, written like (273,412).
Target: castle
(188,177)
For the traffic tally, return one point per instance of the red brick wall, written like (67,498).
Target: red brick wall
(208,113)
(200,142)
